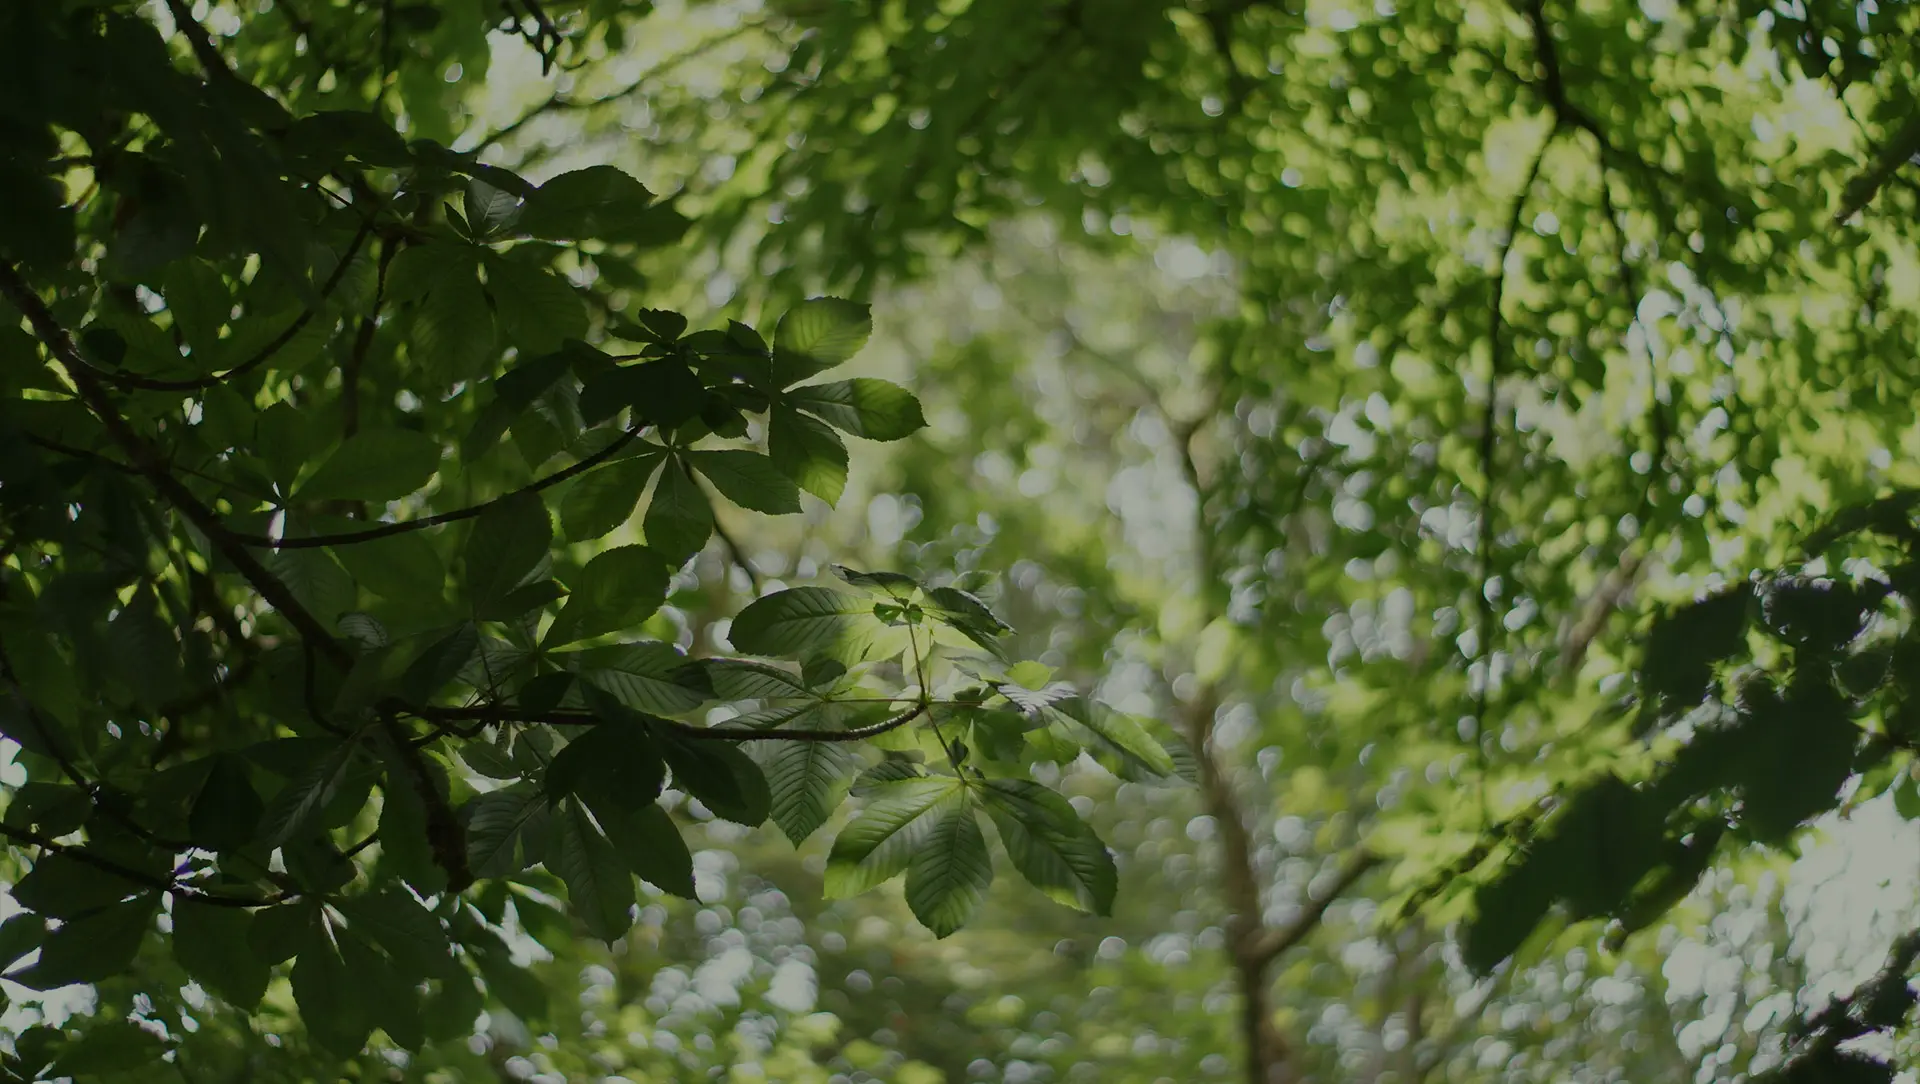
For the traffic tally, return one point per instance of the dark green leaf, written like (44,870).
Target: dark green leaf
(804,622)
(808,452)
(618,589)
(298,806)
(503,829)
(605,498)
(60,886)
(397,923)
(213,945)
(874,409)
(679,520)
(647,676)
(227,811)
(598,202)
(94,947)
(115,1046)
(19,935)
(726,780)
(749,480)
(817,335)
(617,764)
(332,1000)
(508,541)
(440,663)
(599,885)
(1050,845)
(950,870)
(894,823)
(806,780)
(538,310)
(651,846)
(374,465)
(401,568)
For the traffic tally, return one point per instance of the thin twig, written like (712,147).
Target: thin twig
(265,353)
(139,877)
(483,714)
(260,541)
(1273,942)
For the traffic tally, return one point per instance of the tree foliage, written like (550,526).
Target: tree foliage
(300,671)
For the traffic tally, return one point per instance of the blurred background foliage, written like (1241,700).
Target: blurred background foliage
(1349,386)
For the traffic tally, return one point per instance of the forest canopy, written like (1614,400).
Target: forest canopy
(466,468)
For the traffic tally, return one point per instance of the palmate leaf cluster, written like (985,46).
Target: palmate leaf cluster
(306,684)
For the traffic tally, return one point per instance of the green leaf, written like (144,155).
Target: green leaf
(501,830)
(1122,732)
(453,336)
(740,679)
(440,663)
(726,780)
(616,764)
(279,933)
(1506,912)
(604,499)
(114,1046)
(332,999)
(490,210)
(226,813)
(806,780)
(679,520)
(435,265)
(1682,647)
(508,541)
(804,622)
(817,335)
(618,589)
(950,870)
(1050,845)
(397,923)
(198,297)
(19,935)
(212,944)
(749,480)
(646,676)
(874,409)
(519,990)
(538,309)
(65,887)
(298,806)
(93,947)
(399,568)
(392,1000)
(880,843)
(662,392)
(1906,797)
(651,846)
(374,465)
(316,580)
(599,885)
(595,202)
(808,452)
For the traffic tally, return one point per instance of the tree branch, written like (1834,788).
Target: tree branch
(260,541)
(153,466)
(139,877)
(483,714)
(265,353)
(1273,942)
(1896,152)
